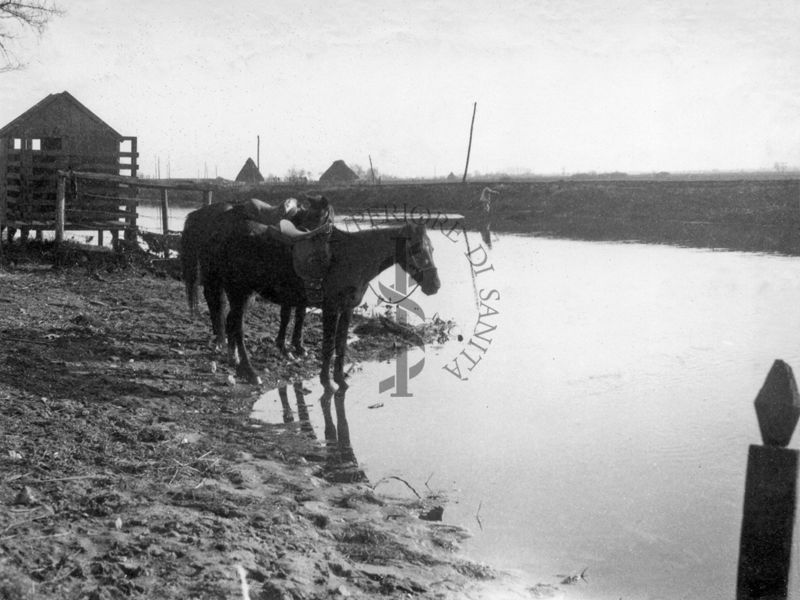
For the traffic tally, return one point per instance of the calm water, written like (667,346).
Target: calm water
(149,219)
(607,423)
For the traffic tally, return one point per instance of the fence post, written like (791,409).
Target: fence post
(768,544)
(2,223)
(61,203)
(208,196)
(131,206)
(165,219)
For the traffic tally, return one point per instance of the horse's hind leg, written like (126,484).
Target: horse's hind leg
(280,340)
(297,334)
(215,299)
(234,326)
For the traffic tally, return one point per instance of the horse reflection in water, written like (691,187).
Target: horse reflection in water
(341,464)
(302,408)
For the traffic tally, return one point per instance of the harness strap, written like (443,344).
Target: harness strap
(386,301)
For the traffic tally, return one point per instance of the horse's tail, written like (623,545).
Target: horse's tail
(191,243)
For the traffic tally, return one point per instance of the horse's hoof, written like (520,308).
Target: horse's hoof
(289,354)
(248,375)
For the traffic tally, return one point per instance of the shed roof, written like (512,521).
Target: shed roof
(49,103)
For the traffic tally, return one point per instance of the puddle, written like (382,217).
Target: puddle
(320,414)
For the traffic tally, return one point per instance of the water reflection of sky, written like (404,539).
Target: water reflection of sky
(607,424)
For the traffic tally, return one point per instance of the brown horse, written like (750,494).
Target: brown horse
(252,261)
(211,224)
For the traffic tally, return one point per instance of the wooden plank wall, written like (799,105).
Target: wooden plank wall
(30,183)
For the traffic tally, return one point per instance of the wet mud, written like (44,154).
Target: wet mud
(130,467)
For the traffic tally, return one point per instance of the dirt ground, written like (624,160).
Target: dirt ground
(129,467)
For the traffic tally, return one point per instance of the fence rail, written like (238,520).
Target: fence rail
(97,210)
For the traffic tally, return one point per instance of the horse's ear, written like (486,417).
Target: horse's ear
(316,201)
(416,227)
(410,229)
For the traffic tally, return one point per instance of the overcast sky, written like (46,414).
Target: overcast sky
(562,85)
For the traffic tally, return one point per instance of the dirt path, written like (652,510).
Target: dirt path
(128,468)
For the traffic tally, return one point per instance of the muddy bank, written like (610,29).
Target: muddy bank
(129,466)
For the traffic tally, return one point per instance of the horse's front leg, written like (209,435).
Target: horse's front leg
(280,340)
(330,318)
(297,334)
(342,330)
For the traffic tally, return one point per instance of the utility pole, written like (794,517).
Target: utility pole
(469,147)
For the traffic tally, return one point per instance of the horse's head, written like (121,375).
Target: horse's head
(314,212)
(417,260)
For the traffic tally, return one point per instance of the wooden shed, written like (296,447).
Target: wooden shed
(60,133)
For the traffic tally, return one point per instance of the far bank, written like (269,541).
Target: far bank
(756,215)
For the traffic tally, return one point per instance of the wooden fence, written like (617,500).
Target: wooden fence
(80,209)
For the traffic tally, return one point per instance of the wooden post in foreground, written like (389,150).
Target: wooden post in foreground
(61,204)
(469,147)
(165,219)
(770,542)
(2,218)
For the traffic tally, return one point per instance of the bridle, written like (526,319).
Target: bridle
(421,261)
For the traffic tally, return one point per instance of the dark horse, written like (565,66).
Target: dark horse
(209,225)
(254,262)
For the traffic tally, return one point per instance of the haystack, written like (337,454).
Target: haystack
(250,173)
(338,172)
